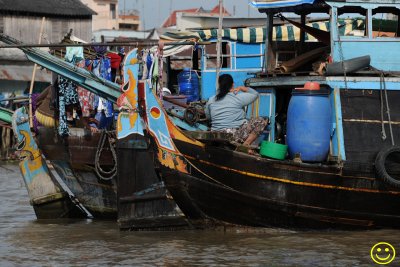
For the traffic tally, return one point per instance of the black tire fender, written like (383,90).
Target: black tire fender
(380,167)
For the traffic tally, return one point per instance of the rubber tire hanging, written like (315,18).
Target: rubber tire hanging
(380,165)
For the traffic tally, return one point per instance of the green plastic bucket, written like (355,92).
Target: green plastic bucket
(273,150)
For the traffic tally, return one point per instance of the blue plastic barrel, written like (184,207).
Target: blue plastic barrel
(188,83)
(309,125)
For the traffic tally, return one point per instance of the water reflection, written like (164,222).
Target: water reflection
(28,242)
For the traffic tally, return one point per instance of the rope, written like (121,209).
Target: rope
(191,115)
(342,60)
(208,176)
(105,175)
(387,107)
(383,93)
(383,132)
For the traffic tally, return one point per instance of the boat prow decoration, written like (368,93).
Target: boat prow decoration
(163,130)
(139,187)
(46,195)
(128,119)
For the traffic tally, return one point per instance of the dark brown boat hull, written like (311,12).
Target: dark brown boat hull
(143,200)
(234,188)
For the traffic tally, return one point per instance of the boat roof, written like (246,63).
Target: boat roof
(310,6)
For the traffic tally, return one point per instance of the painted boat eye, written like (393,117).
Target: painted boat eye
(125,87)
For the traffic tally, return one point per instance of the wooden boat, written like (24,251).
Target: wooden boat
(354,187)
(76,177)
(138,197)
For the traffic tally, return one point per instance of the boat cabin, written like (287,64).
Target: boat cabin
(353,54)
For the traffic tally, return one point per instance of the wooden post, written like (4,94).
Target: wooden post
(219,42)
(33,78)
(266,43)
(302,32)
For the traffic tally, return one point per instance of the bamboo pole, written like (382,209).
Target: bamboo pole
(33,78)
(219,42)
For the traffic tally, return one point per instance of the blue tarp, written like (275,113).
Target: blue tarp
(278,4)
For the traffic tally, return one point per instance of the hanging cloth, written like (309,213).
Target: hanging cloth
(86,97)
(105,72)
(67,95)
(144,65)
(74,54)
(155,74)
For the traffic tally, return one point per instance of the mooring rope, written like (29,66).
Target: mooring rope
(105,175)
(384,97)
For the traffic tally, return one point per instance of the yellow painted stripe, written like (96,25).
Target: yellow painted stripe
(207,34)
(322,26)
(233,33)
(246,35)
(286,181)
(274,33)
(259,35)
(348,28)
(296,32)
(285,35)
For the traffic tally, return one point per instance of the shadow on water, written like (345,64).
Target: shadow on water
(26,241)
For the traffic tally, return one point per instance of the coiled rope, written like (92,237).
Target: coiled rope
(102,174)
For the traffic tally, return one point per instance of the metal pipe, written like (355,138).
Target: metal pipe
(219,43)
(237,56)
(100,44)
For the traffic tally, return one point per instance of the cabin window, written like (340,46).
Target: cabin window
(385,22)
(211,55)
(352,21)
(113,11)
(176,63)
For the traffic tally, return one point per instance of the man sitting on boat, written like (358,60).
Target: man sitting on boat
(227,114)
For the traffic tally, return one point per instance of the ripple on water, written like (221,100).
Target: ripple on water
(28,242)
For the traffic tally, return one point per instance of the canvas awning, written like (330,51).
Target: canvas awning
(286,32)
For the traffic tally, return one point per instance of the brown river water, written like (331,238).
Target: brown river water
(26,241)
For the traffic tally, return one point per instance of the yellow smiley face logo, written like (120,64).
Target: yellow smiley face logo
(383,253)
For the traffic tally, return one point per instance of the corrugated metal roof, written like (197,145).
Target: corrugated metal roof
(23,73)
(110,35)
(70,8)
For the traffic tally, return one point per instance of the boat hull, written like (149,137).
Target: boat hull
(143,200)
(227,187)
(136,197)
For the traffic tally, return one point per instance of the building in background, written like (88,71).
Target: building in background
(22,20)
(107,14)
(171,21)
(129,20)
